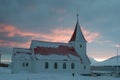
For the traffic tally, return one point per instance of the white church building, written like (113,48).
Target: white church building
(53,57)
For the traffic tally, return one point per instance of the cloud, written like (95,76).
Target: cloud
(14,37)
(90,36)
(64,35)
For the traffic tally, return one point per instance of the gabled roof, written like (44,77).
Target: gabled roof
(60,50)
(77,35)
(36,43)
(22,50)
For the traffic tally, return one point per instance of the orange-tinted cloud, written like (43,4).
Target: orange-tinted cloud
(12,31)
(64,35)
(55,35)
(90,36)
(9,35)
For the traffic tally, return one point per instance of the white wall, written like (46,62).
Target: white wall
(40,66)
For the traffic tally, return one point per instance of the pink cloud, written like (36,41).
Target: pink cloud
(90,36)
(14,44)
(56,35)
(12,31)
(64,35)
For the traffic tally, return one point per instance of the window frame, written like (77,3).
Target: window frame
(46,65)
(55,65)
(72,66)
(64,65)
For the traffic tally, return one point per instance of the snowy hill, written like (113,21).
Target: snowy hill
(92,60)
(109,62)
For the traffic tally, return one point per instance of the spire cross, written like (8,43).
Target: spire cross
(77,17)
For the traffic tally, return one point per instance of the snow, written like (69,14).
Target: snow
(36,43)
(57,57)
(6,75)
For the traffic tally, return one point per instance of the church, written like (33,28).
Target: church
(53,57)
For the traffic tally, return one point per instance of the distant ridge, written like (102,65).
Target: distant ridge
(109,62)
(92,60)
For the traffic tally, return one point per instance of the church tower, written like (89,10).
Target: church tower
(79,43)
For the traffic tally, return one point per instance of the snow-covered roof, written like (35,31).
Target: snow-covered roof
(36,43)
(61,50)
(22,54)
(22,50)
(54,48)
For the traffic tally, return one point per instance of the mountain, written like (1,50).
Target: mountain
(109,62)
(92,60)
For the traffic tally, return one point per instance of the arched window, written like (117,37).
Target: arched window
(26,64)
(64,65)
(55,65)
(72,65)
(46,65)
(84,67)
(23,64)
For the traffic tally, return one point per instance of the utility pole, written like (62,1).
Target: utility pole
(117,63)
(0,58)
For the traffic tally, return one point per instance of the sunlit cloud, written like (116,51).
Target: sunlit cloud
(9,35)
(55,35)
(64,35)
(14,44)
(90,36)
(12,31)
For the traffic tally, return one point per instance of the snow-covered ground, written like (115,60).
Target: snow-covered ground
(6,75)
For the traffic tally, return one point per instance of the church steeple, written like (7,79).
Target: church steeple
(77,35)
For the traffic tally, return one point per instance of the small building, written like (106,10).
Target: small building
(53,57)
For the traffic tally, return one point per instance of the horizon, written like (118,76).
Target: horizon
(24,20)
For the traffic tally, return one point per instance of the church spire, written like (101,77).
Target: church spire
(77,17)
(77,35)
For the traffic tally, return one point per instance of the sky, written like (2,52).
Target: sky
(54,20)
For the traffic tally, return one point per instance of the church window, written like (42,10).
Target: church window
(55,65)
(72,65)
(46,65)
(80,45)
(64,65)
(23,64)
(26,64)
(84,67)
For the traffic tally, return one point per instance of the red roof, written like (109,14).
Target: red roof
(74,35)
(61,50)
(77,35)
